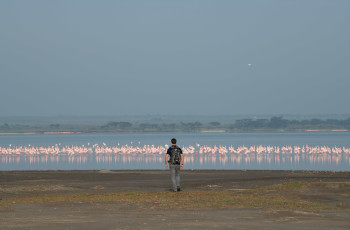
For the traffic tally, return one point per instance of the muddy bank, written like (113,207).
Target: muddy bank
(85,215)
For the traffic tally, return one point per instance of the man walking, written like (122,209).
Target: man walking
(176,162)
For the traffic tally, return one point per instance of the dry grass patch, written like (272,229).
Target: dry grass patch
(332,185)
(34,188)
(183,200)
(271,197)
(302,185)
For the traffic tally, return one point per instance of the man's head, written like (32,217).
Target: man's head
(173,141)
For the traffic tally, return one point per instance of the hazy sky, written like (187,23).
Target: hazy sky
(174,57)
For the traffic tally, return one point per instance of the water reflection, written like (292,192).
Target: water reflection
(196,157)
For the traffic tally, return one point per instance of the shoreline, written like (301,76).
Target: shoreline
(324,130)
(165,170)
(204,131)
(37,133)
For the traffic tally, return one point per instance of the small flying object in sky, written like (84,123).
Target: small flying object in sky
(249,65)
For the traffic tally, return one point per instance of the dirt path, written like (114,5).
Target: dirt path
(114,215)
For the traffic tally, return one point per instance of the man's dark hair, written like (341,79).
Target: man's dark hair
(173,141)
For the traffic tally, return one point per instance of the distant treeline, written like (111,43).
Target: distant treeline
(274,124)
(278,123)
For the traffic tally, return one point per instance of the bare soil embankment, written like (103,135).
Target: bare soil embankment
(141,200)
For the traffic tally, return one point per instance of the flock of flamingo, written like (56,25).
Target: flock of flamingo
(152,149)
(198,154)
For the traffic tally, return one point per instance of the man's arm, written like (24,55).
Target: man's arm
(182,161)
(166,160)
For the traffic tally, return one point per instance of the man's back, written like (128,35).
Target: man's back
(175,155)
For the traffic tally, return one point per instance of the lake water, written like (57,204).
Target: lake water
(193,143)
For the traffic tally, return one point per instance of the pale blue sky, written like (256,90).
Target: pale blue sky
(174,57)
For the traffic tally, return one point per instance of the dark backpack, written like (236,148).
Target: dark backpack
(175,157)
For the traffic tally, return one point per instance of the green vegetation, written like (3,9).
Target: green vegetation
(279,123)
(298,185)
(274,124)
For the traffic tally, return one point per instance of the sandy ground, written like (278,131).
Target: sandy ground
(82,215)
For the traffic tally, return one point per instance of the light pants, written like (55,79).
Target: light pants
(175,175)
